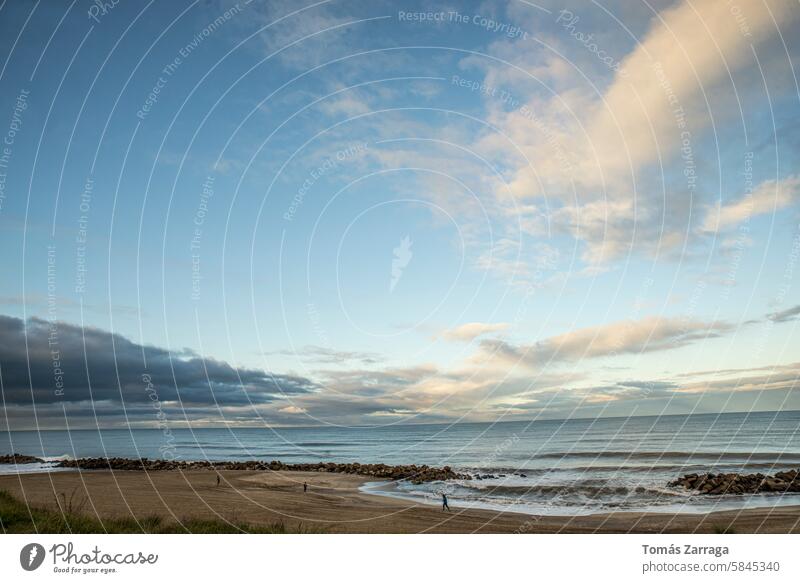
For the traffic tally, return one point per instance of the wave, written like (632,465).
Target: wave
(57,458)
(326,444)
(719,455)
(624,468)
(581,490)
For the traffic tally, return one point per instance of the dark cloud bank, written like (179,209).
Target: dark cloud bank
(43,366)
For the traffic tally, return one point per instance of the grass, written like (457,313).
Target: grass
(18,518)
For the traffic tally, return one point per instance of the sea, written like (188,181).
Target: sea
(543,467)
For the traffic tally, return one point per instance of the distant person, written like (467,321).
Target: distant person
(217,480)
(445,506)
(305,487)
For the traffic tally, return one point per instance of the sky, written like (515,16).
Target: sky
(345,213)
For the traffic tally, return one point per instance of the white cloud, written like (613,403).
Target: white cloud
(767,197)
(618,338)
(586,145)
(348,105)
(292,410)
(695,45)
(470,331)
(322,28)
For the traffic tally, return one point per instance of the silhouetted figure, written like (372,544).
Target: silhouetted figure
(217,480)
(305,487)
(445,506)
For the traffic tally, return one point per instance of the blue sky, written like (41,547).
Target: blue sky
(370,213)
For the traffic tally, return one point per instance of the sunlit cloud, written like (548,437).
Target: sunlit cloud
(650,334)
(768,197)
(470,331)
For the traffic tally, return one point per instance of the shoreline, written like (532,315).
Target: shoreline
(703,492)
(337,503)
(388,489)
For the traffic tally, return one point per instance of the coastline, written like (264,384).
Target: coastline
(337,503)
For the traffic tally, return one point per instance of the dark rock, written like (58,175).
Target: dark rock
(18,458)
(718,484)
(412,473)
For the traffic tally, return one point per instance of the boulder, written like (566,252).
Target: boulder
(18,458)
(718,484)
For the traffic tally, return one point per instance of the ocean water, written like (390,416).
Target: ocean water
(566,467)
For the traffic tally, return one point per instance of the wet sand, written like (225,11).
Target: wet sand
(334,504)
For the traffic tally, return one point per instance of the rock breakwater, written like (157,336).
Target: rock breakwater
(18,458)
(412,473)
(718,484)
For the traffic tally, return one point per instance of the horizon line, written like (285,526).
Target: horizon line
(329,426)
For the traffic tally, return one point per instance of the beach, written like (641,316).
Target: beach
(335,503)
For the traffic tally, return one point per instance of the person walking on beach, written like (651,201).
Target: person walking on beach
(217,480)
(444,503)
(305,487)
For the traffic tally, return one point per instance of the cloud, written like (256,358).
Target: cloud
(614,157)
(325,29)
(98,366)
(768,197)
(521,262)
(775,390)
(325,355)
(690,49)
(648,385)
(470,331)
(609,224)
(349,105)
(626,337)
(372,383)
(424,393)
(292,410)
(696,45)
(774,378)
(785,315)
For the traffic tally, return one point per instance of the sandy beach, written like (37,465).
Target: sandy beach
(334,504)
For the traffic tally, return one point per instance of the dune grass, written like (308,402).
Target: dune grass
(18,518)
